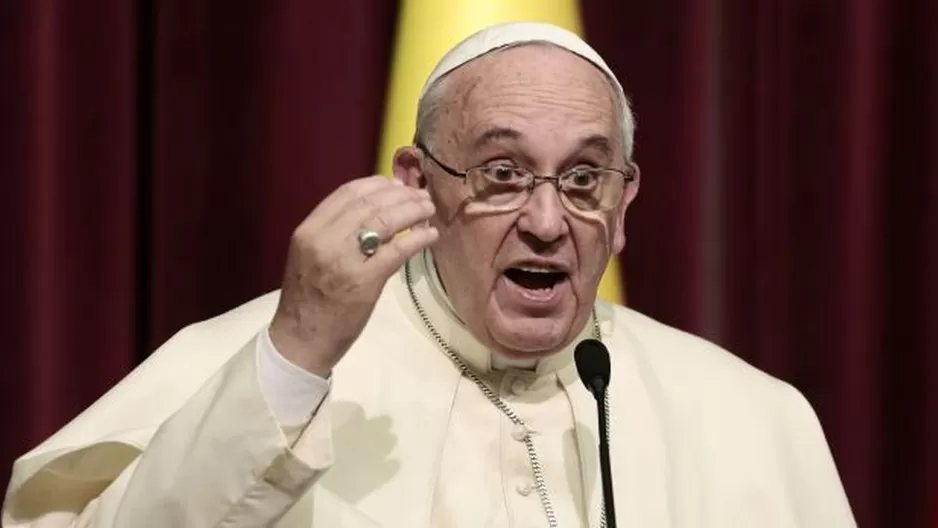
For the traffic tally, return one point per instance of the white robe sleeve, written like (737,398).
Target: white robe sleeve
(819,495)
(222,460)
(292,393)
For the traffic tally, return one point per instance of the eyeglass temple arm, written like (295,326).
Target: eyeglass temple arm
(447,169)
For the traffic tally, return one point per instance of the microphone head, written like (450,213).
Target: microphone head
(592,363)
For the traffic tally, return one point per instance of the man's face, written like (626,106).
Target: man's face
(547,110)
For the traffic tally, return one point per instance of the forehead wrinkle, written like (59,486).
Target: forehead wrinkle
(494,134)
(595,127)
(523,98)
(541,103)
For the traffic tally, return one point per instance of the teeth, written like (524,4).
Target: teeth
(531,269)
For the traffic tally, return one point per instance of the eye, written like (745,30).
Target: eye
(582,178)
(503,173)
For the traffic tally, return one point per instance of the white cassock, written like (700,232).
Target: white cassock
(698,437)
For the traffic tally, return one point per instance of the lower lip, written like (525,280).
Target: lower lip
(545,297)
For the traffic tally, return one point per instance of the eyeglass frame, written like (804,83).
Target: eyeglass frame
(628,175)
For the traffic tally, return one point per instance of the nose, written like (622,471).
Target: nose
(543,216)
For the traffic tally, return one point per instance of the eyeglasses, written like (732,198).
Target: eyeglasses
(505,187)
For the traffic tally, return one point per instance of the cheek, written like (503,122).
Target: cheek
(593,241)
(446,209)
(473,246)
(482,239)
(608,228)
(596,232)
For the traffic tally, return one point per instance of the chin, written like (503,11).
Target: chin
(529,337)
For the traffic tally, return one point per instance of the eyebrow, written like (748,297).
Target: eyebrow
(596,141)
(495,134)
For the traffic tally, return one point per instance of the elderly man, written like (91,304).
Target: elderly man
(416,368)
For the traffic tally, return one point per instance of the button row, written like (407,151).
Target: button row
(521,433)
(519,386)
(524,488)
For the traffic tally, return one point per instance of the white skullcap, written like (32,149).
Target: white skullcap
(515,33)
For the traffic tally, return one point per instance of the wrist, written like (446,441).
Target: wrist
(300,348)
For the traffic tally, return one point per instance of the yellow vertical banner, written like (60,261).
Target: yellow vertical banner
(426,29)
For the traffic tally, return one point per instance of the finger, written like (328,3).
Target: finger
(386,212)
(392,255)
(339,200)
(395,208)
(392,221)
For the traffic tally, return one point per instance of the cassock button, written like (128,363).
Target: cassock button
(520,433)
(524,489)
(518,386)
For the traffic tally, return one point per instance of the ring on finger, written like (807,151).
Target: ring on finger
(368,242)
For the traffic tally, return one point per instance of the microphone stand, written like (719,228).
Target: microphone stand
(609,508)
(593,366)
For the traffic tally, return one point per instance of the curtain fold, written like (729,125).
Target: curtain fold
(261,110)
(788,209)
(67,174)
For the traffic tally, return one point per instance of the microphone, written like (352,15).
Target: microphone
(592,363)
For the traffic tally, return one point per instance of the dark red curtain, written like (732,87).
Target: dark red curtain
(262,108)
(789,209)
(156,156)
(68,196)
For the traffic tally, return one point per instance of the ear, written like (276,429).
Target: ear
(407,167)
(628,194)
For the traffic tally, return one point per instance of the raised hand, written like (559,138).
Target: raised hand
(331,285)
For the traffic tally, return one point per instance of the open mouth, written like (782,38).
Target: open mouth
(532,278)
